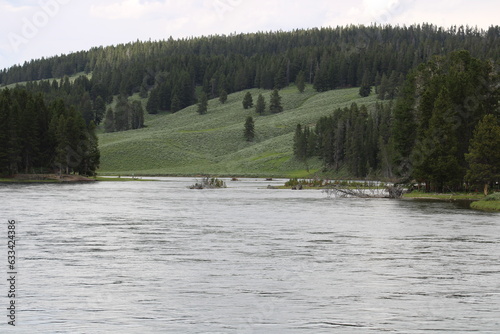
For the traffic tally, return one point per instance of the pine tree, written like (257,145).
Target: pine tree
(99,109)
(123,113)
(434,156)
(153,104)
(5,105)
(222,96)
(86,108)
(248,101)
(176,104)
(365,89)
(109,121)
(275,103)
(260,107)
(484,152)
(300,143)
(249,132)
(91,156)
(300,81)
(203,104)
(383,88)
(137,119)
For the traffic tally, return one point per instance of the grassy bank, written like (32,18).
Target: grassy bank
(445,197)
(489,203)
(186,143)
(45,178)
(480,202)
(486,206)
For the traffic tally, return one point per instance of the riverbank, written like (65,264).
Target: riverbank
(65,178)
(45,178)
(479,201)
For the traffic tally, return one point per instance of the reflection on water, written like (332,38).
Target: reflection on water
(156,257)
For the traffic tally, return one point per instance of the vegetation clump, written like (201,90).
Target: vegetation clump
(209,183)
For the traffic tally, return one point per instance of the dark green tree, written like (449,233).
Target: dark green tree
(202,103)
(222,96)
(484,153)
(434,157)
(153,104)
(176,104)
(137,117)
(109,121)
(123,113)
(260,107)
(365,89)
(99,110)
(300,143)
(300,81)
(249,132)
(248,101)
(91,157)
(275,103)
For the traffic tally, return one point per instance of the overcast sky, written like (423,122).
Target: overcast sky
(33,29)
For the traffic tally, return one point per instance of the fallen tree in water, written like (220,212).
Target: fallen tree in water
(342,191)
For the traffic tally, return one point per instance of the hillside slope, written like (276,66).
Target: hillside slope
(186,143)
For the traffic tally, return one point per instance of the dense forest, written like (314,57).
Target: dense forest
(433,133)
(40,138)
(169,71)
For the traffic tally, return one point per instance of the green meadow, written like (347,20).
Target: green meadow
(186,143)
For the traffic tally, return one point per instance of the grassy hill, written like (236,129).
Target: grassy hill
(186,143)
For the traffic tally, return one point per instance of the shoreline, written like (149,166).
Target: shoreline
(46,178)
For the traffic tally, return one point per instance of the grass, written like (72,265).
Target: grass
(489,203)
(440,196)
(186,143)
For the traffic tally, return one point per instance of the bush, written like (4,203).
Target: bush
(493,197)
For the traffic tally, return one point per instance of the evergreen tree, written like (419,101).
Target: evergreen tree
(365,89)
(484,153)
(300,143)
(260,107)
(99,110)
(249,132)
(86,108)
(203,104)
(383,88)
(248,101)
(137,118)
(109,121)
(275,103)
(5,106)
(153,104)
(436,162)
(176,104)
(123,113)
(300,81)
(223,96)
(91,156)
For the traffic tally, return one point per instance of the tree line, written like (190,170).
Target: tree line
(168,71)
(39,137)
(436,131)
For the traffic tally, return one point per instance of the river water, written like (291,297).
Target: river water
(156,257)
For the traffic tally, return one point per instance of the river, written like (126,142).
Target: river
(157,257)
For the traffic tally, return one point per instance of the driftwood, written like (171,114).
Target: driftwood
(363,192)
